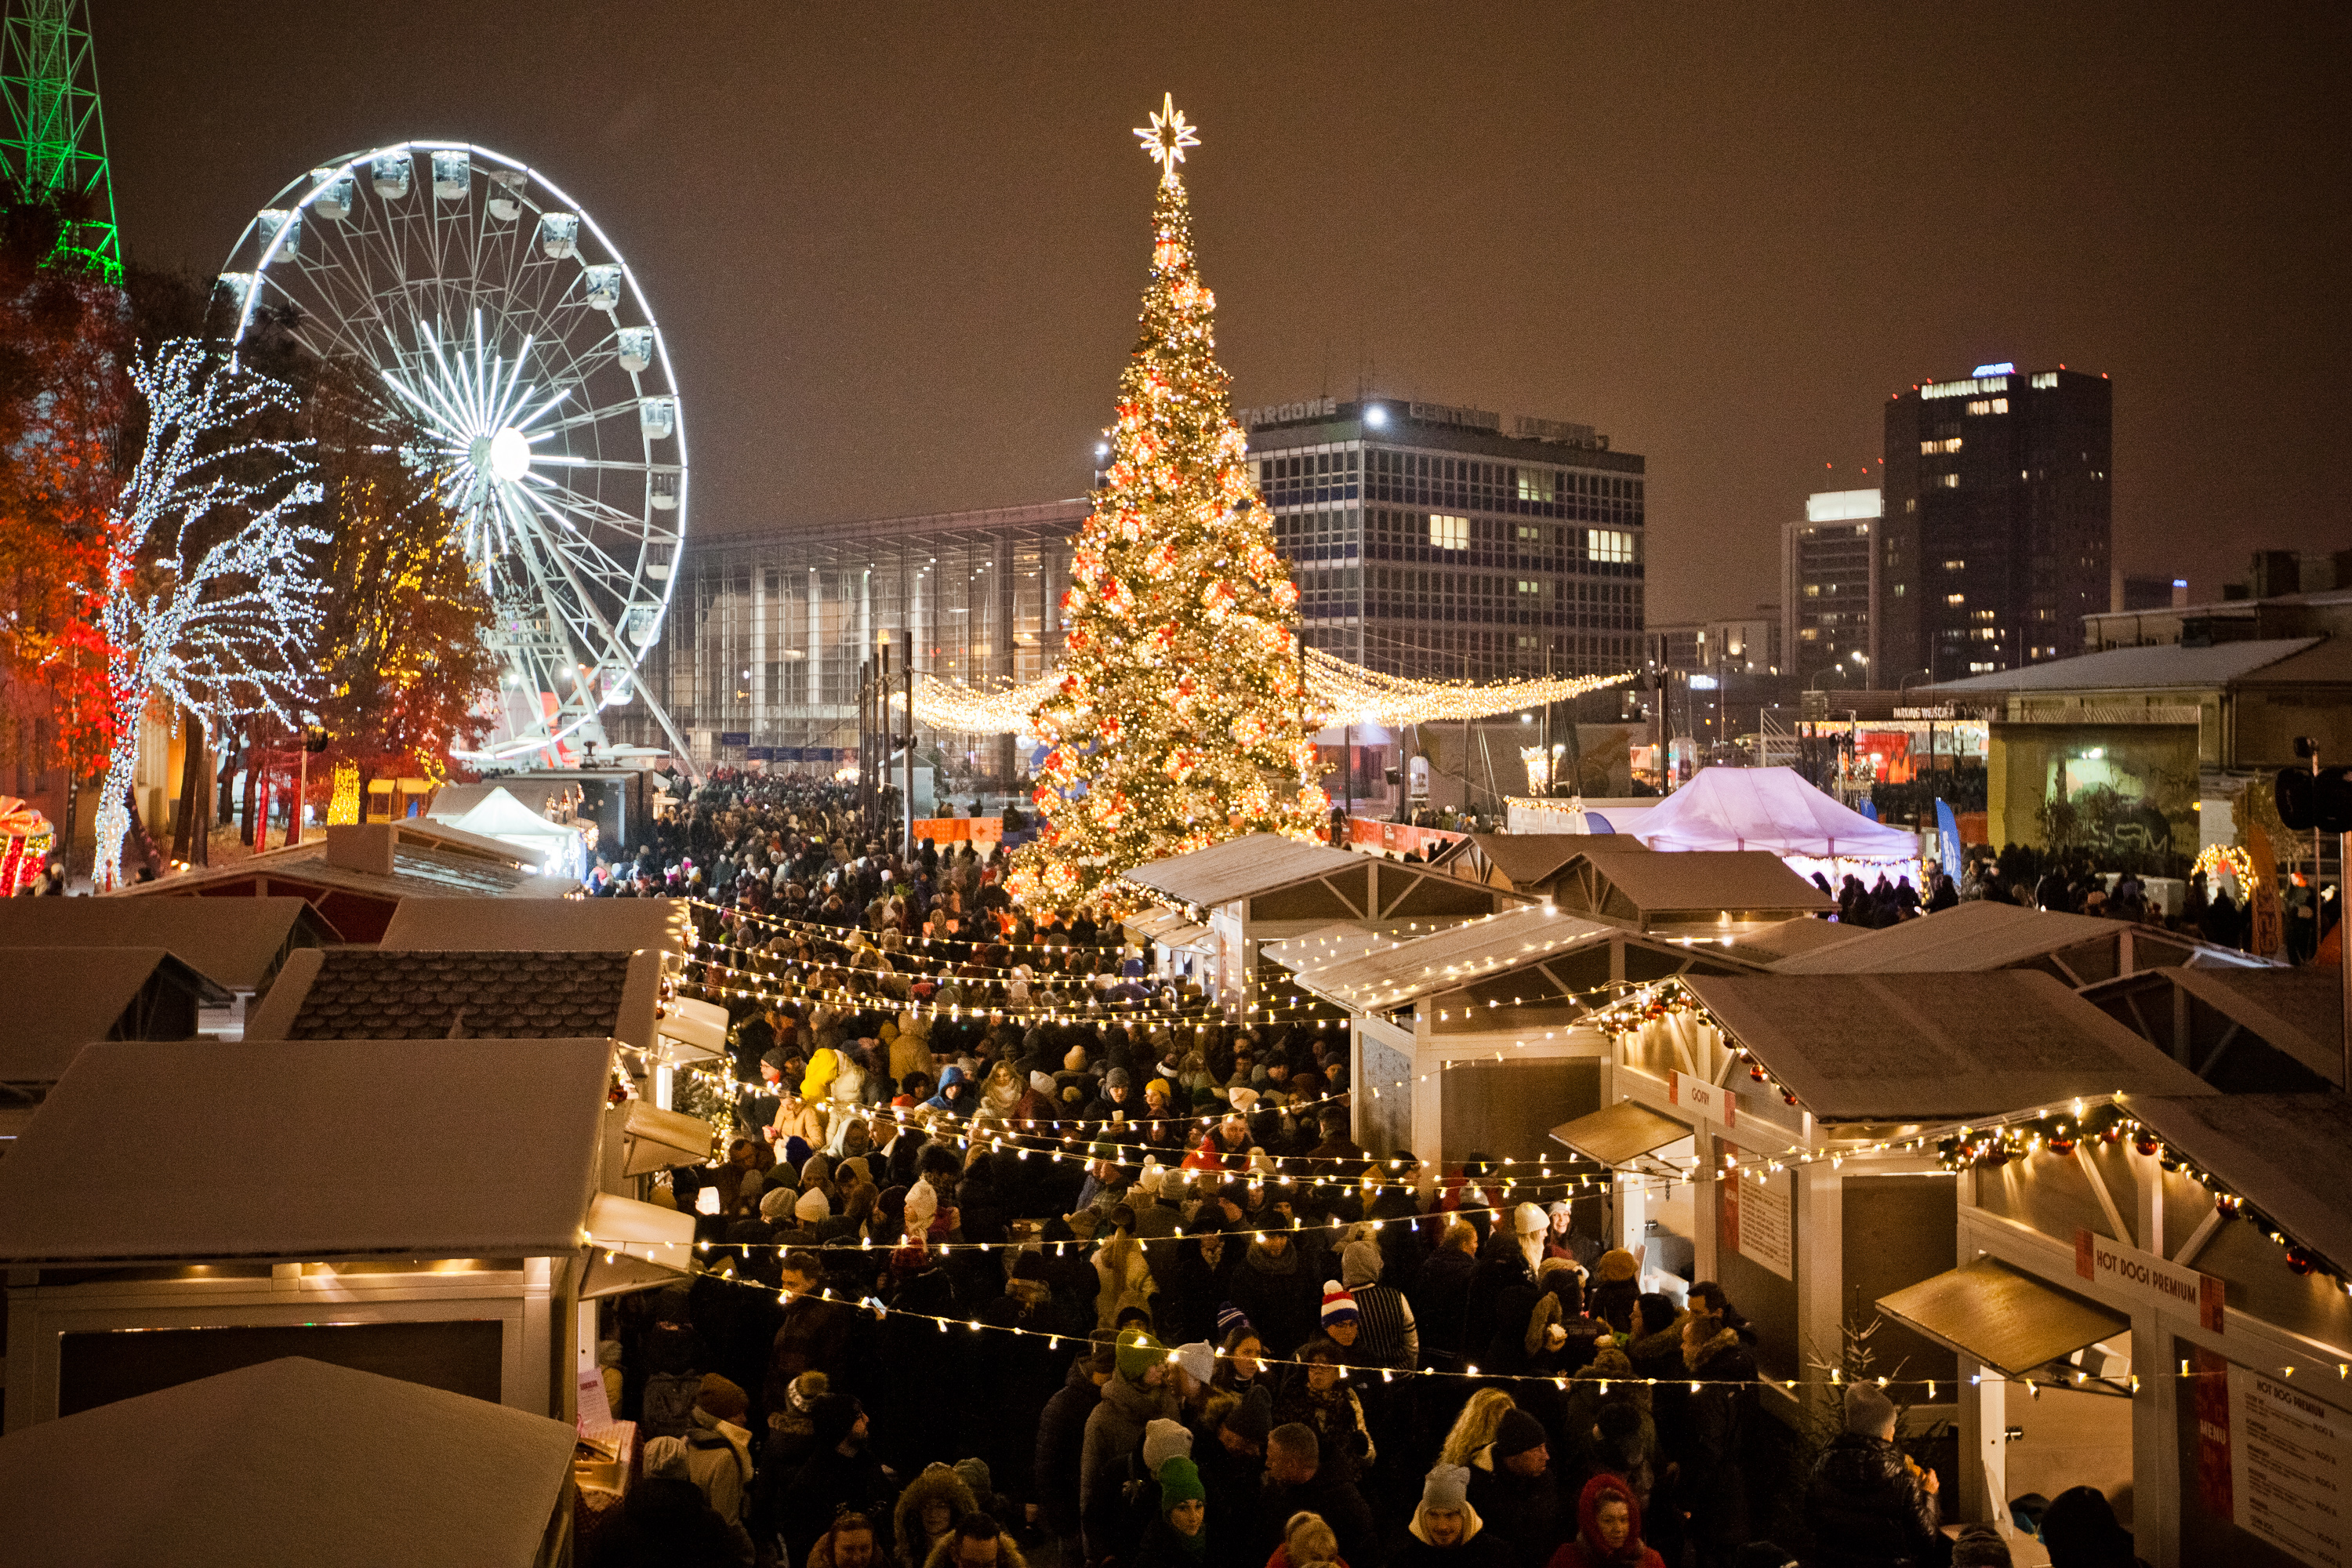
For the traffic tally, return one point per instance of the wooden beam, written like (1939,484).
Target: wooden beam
(2106,1199)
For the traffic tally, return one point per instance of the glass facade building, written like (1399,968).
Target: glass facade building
(767,636)
(1428,542)
(1825,565)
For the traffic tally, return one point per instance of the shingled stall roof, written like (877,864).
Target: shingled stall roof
(1935,1047)
(288,1461)
(1329,945)
(2286,1154)
(374,994)
(1647,887)
(309,1151)
(83,995)
(237,943)
(1979,935)
(543,925)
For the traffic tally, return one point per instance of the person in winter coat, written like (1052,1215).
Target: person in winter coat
(1716,1418)
(1062,1440)
(1136,1396)
(2079,1527)
(955,1096)
(1387,1335)
(1294,1484)
(1179,1537)
(1515,1492)
(1446,1532)
(977,1542)
(1275,1292)
(1558,1338)
(1318,1401)
(1441,1296)
(1608,1530)
(1504,1290)
(1616,1286)
(1869,1506)
(927,1513)
(842,1473)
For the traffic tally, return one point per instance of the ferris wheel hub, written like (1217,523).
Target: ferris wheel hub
(509,454)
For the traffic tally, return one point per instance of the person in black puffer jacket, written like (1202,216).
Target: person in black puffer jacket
(1716,1419)
(1868,1506)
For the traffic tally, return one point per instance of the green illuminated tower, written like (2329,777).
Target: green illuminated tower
(54,138)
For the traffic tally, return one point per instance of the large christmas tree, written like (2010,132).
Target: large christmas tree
(1178,717)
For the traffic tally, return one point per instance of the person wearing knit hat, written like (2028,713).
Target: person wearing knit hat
(1229,1318)
(1164,1440)
(776,1204)
(1515,1492)
(1198,1362)
(1446,1532)
(1617,1285)
(1138,1354)
(1179,1537)
(922,1203)
(813,1206)
(1247,1424)
(1339,1319)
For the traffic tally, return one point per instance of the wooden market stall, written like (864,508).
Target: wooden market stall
(174,1210)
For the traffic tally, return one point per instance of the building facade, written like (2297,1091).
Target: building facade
(767,638)
(1428,541)
(1998,525)
(1825,582)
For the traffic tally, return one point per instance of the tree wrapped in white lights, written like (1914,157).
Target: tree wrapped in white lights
(208,590)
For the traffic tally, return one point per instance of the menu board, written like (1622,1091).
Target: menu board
(2290,1467)
(1758,1222)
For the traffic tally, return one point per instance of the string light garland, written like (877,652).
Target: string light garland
(216,625)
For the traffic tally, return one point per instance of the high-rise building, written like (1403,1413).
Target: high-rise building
(1825,597)
(1429,542)
(1998,525)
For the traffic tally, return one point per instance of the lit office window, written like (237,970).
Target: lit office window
(1948,481)
(1990,405)
(1950,443)
(1956,598)
(1449,532)
(1608,545)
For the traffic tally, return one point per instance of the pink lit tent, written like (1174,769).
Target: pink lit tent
(1774,809)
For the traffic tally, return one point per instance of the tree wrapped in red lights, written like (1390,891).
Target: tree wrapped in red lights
(1178,721)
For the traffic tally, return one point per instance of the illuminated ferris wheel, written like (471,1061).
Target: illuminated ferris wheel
(497,313)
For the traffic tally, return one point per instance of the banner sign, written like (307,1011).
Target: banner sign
(2143,1274)
(1712,1103)
(959,830)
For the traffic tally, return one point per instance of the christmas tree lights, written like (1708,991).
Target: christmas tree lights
(1179,716)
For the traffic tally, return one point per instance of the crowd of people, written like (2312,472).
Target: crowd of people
(986,1279)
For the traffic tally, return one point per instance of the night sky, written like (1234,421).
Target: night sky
(897,249)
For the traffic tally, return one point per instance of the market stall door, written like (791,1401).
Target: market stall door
(2064,1438)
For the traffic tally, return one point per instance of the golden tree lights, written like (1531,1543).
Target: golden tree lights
(1180,716)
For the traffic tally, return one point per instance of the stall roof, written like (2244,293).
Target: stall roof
(1244,867)
(1629,881)
(2123,668)
(290,1461)
(89,994)
(1979,935)
(1395,974)
(543,925)
(1330,943)
(373,993)
(1786,939)
(2004,1317)
(239,942)
(1620,1133)
(1525,859)
(2299,1011)
(1924,1047)
(310,1149)
(428,864)
(2285,1153)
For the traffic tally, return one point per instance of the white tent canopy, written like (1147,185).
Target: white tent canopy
(1775,809)
(493,813)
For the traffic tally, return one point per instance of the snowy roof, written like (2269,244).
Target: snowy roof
(1918,1047)
(543,925)
(1767,808)
(1980,935)
(310,1149)
(1241,868)
(237,942)
(1650,885)
(1393,974)
(88,993)
(290,1461)
(2122,668)
(2285,1153)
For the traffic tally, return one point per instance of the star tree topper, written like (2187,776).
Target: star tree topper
(1165,139)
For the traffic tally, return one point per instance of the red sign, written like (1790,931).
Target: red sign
(2211,1391)
(1398,837)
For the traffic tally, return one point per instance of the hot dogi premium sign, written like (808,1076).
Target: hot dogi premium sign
(2137,1273)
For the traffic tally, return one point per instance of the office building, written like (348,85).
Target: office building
(1998,525)
(1429,542)
(1825,585)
